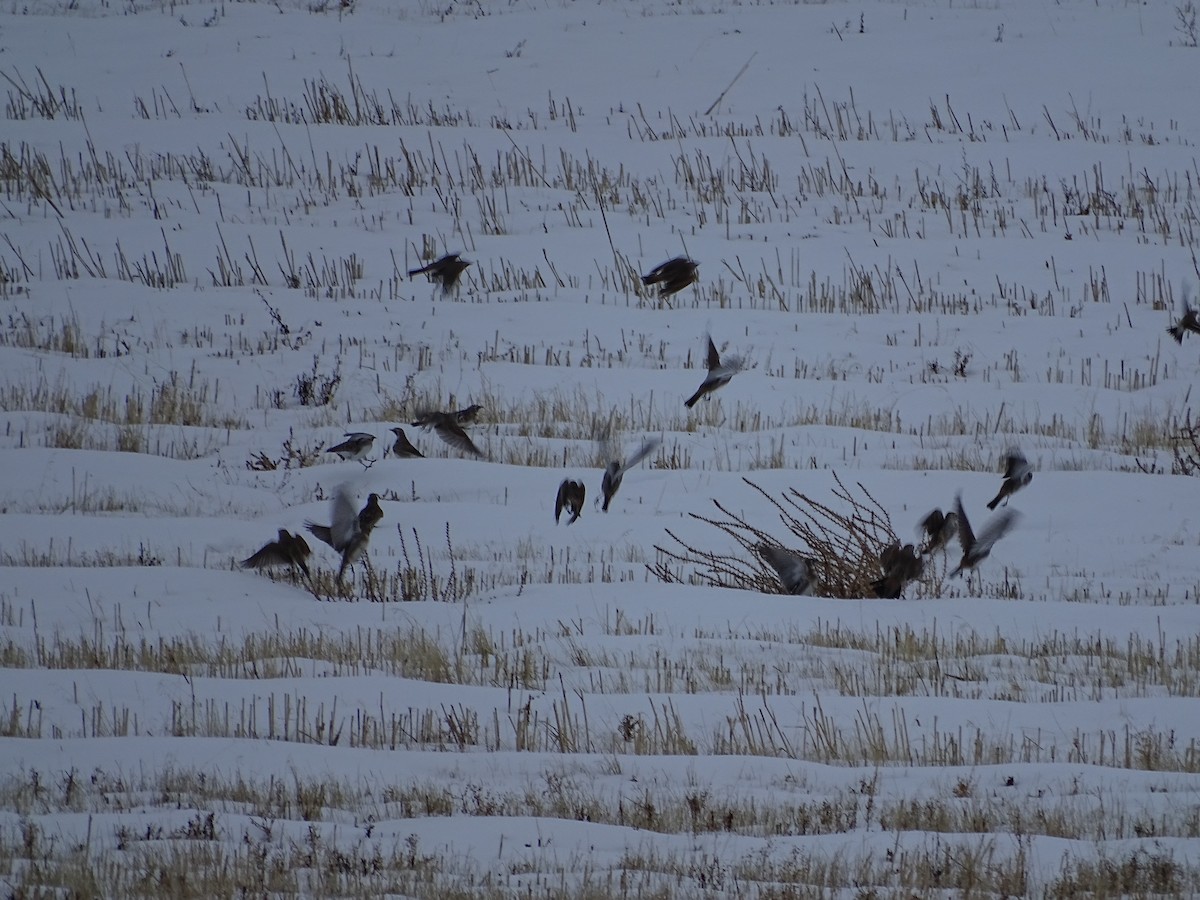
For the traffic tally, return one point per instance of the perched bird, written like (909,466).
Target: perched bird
(447,428)
(614,473)
(1017,474)
(718,375)
(1189,321)
(976,549)
(939,528)
(348,531)
(286,550)
(795,571)
(403,448)
(673,275)
(900,566)
(446,269)
(570,497)
(356,445)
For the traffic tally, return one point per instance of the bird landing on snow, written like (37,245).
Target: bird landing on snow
(615,471)
(673,275)
(446,270)
(348,531)
(1017,474)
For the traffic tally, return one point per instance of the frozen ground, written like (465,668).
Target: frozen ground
(932,232)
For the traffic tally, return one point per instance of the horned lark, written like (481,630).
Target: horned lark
(286,550)
(1017,474)
(795,571)
(673,275)
(570,497)
(718,375)
(939,528)
(403,448)
(614,473)
(446,269)
(356,446)
(976,549)
(348,531)
(447,426)
(900,566)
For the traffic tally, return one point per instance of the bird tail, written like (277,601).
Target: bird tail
(320,532)
(995,500)
(691,401)
(1176,332)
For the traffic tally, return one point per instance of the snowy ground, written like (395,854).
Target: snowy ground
(932,231)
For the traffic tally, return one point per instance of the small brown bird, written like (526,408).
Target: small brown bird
(795,571)
(286,550)
(673,275)
(348,531)
(570,497)
(614,473)
(447,428)
(976,549)
(939,528)
(1017,474)
(356,446)
(403,448)
(446,269)
(718,375)
(1189,321)
(900,566)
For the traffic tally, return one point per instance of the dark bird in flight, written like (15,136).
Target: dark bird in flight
(900,566)
(403,448)
(616,469)
(718,375)
(447,426)
(356,445)
(673,275)
(570,497)
(939,528)
(1017,474)
(446,269)
(1189,321)
(286,550)
(976,549)
(349,531)
(795,571)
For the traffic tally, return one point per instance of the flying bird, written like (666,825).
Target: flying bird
(403,448)
(286,550)
(976,549)
(718,375)
(348,531)
(356,445)
(447,426)
(1017,474)
(1189,321)
(900,566)
(446,269)
(673,275)
(795,571)
(570,497)
(468,415)
(939,528)
(614,473)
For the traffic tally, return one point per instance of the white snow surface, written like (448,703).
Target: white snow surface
(886,190)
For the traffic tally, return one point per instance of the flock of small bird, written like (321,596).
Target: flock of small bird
(350,530)
(904,564)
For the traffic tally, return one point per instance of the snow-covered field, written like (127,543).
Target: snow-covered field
(931,231)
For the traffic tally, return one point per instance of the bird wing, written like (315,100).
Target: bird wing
(1015,464)
(271,554)
(966,536)
(343,524)
(714,358)
(452,433)
(648,446)
(793,569)
(997,526)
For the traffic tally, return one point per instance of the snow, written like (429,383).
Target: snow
(931,231)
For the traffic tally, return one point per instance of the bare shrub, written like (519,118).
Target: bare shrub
(844,546)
